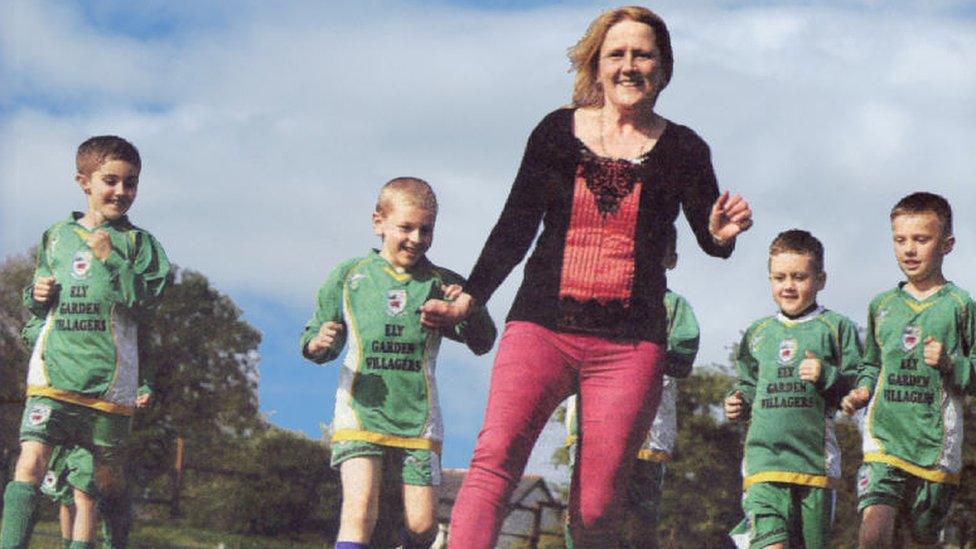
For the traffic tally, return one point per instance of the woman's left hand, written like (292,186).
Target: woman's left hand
(730,216)
(437,313)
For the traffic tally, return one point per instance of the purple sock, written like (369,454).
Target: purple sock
(351,545)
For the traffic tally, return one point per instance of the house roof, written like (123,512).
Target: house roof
(451,480)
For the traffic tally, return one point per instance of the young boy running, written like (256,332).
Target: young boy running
(387,418)
(794,367)
(70,469)
(95,273)
(647,480)
(918,366)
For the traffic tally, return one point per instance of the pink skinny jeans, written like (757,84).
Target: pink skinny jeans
(619,385)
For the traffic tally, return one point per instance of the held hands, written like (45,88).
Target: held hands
(935,356)
(452,291)
(326,338)
(100,243)
(735,406)
(730,216)
(45,289)
(440,314)
(855,400)
(810,368)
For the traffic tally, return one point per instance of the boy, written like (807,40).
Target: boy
(95,273)
(644,490)
(918,365)
(386,415)
(70,470)
(794,368)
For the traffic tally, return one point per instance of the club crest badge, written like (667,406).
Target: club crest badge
(396,302)
(38,415)
(910,337)
(863,480)
(787,351)
(50,479)
(81,264)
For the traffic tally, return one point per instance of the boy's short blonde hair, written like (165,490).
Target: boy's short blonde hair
(799,241)
(923,202)
(413,190)
(95,151)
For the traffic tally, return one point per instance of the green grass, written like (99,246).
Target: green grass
(173,535)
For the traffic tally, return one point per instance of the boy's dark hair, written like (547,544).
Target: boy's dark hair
(799,241)
(923,202)
(96,150)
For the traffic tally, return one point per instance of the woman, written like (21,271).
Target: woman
(606,177)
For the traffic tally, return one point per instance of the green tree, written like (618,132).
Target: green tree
(282,486)
(15,274)
(703,485)
(205,358)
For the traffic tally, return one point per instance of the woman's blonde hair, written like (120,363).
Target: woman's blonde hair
(585,55)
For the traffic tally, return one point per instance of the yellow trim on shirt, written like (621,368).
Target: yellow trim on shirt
(916,306)
(931,475)
(81,400)
(384,439)
(399,277)
(789,477)
(657,456)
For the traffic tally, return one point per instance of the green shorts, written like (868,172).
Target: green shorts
(921,504)
(57,423)
(403,465)
(69,469)
(779,512)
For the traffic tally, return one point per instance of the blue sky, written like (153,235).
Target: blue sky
(267,130)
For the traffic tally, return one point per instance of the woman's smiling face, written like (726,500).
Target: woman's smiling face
(629,70)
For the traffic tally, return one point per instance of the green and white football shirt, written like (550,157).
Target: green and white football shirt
(791,434)
(86,351)
(914,420)
(387,390)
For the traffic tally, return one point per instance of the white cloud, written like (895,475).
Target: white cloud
(267,134)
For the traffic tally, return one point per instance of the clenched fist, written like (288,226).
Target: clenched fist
(45,289)
(810,368)
(735,406)
(100,243)
(326,338)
